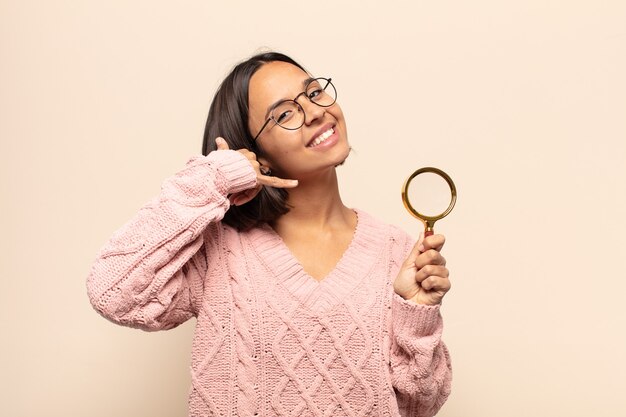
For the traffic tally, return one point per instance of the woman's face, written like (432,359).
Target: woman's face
(295,154)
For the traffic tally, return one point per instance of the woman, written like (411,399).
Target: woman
(304,307)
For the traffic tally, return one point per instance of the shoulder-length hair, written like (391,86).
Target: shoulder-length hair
(228,118)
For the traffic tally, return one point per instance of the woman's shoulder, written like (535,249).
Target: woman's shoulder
(225,237)
(382,228)
(387,240)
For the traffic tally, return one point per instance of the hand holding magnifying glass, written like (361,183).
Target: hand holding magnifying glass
(428,220)
(423,277)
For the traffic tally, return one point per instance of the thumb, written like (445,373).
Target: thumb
(415,252)
(221,144)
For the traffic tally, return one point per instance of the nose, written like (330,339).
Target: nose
(312,111)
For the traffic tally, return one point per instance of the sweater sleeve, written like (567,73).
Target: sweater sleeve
(150,274)
(421,371)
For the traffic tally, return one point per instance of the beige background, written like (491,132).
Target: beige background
(522,102)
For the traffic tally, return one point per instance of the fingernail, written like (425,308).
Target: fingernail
(219,140)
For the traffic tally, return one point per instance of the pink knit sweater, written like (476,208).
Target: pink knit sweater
(270,340)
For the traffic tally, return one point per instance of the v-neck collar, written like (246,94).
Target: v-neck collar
(350,270)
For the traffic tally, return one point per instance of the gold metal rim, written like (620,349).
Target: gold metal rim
(411,209)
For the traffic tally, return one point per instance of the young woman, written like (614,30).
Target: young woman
(304,307)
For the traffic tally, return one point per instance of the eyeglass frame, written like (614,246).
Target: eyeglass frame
(299,105)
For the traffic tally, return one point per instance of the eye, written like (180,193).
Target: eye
(283,116)
(285,112)
(314,90)
(313,94)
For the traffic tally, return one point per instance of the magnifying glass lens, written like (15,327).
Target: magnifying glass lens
(429,194)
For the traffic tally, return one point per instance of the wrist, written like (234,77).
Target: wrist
(234,169)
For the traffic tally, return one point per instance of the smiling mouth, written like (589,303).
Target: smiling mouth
(321,138)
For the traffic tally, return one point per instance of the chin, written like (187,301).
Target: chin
(345,157)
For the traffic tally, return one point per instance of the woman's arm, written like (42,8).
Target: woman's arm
(421,372)
(150,273)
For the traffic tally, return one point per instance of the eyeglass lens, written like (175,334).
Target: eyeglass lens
(290,115)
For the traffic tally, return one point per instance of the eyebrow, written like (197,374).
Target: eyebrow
(276,103)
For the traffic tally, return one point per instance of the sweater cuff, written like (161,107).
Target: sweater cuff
(417,319)
(234,171)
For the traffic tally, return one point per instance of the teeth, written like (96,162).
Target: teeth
(321,138)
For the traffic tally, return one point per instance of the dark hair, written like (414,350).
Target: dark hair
(228,118)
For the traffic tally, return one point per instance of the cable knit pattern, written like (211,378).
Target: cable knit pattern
(247,402)
(270,340)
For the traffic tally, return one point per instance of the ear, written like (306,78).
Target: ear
(264,161)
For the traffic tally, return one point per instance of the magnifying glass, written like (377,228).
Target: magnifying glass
(429,187)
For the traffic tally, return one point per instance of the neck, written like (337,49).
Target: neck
(316,204)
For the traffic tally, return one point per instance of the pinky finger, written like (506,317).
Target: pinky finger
(277,182)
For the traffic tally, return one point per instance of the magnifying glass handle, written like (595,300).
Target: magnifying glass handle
(429,233)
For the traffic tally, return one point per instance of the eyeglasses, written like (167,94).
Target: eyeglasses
(290,115)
